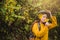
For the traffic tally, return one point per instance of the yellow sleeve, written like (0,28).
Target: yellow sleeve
(36,32)
(54,22)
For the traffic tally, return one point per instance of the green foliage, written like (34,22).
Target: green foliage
(16,16)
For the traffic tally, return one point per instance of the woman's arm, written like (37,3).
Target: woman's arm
(54,21)
(37,32)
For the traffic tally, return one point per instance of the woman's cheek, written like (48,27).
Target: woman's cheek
(42,20)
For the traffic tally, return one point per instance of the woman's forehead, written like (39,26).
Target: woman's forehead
(44,14)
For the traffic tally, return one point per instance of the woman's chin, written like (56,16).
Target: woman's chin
(43,21)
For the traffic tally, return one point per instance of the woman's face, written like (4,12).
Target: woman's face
(43,18)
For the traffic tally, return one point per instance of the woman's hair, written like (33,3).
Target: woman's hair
(35,21)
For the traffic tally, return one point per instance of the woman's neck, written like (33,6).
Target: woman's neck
(42,22)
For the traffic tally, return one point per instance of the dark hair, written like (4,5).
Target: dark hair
(35,21)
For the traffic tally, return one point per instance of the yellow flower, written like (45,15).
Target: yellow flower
(46,20)
(40,16)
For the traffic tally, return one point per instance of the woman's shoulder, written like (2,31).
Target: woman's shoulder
(34,23)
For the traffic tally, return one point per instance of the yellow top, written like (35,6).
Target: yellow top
(43,33)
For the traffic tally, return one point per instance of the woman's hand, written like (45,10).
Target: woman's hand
(49,12)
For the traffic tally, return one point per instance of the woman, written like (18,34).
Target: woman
(40,28)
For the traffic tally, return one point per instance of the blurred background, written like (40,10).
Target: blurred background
(16,16)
